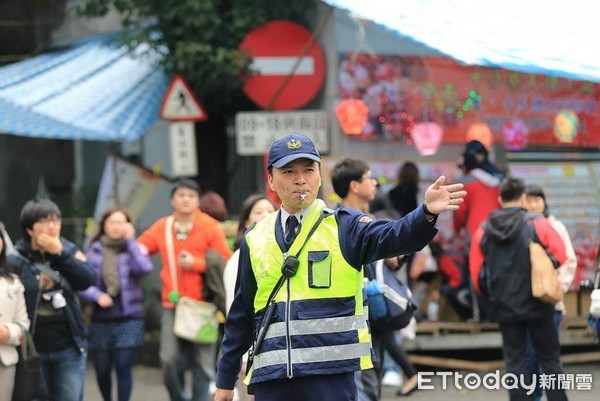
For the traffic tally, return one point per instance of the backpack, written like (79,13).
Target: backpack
(390,301)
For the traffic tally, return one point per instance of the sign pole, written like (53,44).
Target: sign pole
(182,109)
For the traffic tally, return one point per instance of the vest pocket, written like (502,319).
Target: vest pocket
(319,269)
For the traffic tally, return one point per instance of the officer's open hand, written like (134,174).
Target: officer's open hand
(440,198)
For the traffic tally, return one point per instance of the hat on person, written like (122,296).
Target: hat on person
(291,147)
(470,159)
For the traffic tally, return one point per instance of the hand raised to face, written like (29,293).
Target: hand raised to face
(49,244)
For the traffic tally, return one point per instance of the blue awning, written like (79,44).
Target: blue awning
(557,38)
(91,90)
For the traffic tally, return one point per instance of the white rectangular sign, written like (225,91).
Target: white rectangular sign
(184,160)
(256,130)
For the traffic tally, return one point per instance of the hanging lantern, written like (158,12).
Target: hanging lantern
(353,115)
(482,133)
(515,134)
(565,126)
(427,137)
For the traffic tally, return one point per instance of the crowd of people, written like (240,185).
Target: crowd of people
(295,322)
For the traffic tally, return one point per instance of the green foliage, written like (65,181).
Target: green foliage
(200,38)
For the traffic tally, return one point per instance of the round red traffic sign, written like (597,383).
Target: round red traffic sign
(276,48)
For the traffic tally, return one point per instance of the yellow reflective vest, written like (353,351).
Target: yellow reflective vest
(319,325)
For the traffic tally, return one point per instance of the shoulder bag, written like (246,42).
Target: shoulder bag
(30,384)
(195,320)
(544,280)
(391,305)
(29,380)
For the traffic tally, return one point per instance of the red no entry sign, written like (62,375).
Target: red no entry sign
(276,47)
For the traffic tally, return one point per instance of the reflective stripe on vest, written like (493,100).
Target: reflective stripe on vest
(311,355)
(321,326)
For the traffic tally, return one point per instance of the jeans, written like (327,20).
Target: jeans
(544,339)
(178,356)
(64,372)
(532,364)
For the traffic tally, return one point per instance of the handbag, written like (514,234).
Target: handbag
(29,380)
(544,280)
(195,320)
(391,304)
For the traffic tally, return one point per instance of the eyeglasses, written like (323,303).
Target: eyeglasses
(46,221)
(361,179)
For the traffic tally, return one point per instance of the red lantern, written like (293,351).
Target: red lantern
(480,132)
(427,137)
(353,115)
(515,134)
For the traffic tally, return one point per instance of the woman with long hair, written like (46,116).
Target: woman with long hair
(117,317)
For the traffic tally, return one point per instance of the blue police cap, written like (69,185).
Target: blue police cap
(291,147)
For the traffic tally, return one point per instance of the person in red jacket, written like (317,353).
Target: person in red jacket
(501,245)
(482,180)
(194,232)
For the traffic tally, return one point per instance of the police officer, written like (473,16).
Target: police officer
(314,329)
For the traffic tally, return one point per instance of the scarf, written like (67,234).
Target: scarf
(110,269)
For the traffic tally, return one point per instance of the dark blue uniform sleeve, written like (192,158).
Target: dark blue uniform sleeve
(364,240)
(239,327)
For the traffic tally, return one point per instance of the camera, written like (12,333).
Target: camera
(56,299)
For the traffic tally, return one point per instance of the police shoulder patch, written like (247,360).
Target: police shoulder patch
(365,219)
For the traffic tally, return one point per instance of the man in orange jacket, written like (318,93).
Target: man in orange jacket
(193,232)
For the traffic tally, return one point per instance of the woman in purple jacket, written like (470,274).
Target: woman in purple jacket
(117,318)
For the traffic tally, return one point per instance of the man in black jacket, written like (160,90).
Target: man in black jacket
(53,269)
(501,244)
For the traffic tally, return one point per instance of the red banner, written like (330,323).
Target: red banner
(520,109)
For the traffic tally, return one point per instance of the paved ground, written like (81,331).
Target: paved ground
(148,387)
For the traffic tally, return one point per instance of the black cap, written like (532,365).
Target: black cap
(470,159)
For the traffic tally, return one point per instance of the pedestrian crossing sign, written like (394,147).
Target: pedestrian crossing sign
(180,104)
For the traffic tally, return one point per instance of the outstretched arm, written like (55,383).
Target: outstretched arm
(440,198)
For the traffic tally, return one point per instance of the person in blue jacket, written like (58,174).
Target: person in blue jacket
(117,317)
(52,270)
(313,332)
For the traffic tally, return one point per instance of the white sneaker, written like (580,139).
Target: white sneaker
(391,379)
